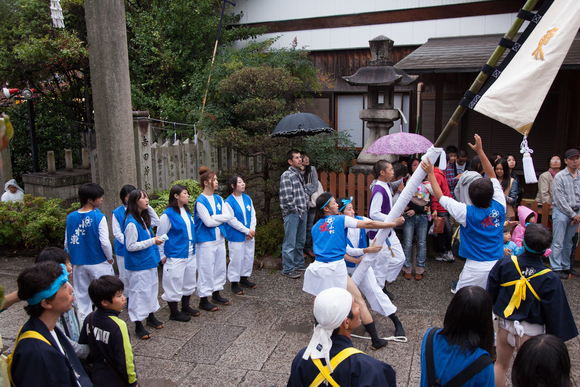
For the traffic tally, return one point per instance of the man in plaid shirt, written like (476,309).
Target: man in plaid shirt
(294,204)
(455,169)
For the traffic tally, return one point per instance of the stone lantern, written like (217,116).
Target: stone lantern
(380,77)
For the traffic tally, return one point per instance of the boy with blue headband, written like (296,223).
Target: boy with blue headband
(42,355)
(528,298)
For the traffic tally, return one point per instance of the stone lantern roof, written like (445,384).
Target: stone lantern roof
(380,71)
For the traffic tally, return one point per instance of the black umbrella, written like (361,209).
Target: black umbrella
(300,124)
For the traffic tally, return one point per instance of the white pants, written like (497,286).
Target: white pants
(374,294)
(211,267)
(123,273)
(387,267)
(143,291)
(475,273)
(241,259)
(179,278)
(82,277)
(324,275)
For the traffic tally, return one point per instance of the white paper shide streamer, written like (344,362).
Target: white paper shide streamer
(56,14)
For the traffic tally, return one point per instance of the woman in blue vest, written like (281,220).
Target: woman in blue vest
(240,230)
(210,242)
(141,261)
(357,247)
(118,218)
(178,254)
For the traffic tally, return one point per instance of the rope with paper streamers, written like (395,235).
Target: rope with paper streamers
(529,171)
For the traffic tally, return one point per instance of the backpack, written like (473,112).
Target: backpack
(25,335)
(461,378)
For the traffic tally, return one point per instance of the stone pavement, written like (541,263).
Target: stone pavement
(252,341)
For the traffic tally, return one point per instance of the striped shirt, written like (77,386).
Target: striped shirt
(293,197)
(566,192)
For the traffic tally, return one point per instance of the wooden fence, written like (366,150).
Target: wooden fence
(343,185)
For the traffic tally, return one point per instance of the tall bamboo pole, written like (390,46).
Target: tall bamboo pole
(482,77)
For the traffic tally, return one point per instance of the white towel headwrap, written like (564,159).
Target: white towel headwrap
(331,307)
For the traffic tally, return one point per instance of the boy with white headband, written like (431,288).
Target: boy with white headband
(337,315)
(329,269)
(42,355)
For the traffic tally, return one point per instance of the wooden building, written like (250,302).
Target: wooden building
(446,42)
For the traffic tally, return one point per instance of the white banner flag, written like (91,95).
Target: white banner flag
(515,97)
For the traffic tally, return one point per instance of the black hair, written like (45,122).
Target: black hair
(505,180)
(90,191)
(126,190)
(481,192)
(461,153)
(321,201)
(34,279)
(379,166)
(542,361)
(531,215)
(233,181)
(307,168)
(399,170)
(341,202)
(142,217)
(291,153)
(53,254)
(337,330)
(551,157)
(537,237)
(451,149)
(410,164)
(468,322)
(475,164)
(177,189)
(104,288)
(508,155)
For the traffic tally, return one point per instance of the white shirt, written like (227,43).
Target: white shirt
(12,197)
(165,226)
(459,210)
(131,236)
(103,237)
(118,231)
(214,220)
(353,236)
(235,223)
(377,202)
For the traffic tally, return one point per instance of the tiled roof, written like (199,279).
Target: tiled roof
(465,54)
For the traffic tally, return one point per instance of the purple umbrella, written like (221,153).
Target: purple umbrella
(401,143)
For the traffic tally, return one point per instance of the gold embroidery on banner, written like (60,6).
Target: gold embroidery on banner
(539,52)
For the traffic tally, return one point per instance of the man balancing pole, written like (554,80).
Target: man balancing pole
(337,315)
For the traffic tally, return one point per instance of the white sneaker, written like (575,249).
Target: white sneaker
(449,256)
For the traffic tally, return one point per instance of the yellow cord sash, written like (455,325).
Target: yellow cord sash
(334,362)
(519,294)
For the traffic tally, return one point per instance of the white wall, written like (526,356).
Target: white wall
(258,11)
(404,34)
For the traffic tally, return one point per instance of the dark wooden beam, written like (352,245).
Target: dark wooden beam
(397,16)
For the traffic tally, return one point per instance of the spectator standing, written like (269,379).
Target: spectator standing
(294,205)
(511,160)
(13,191)
(455,169)
(508,186)
(416,222)
(565,217)
(451,152)
(310,186)
(546,180)
(443,249)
